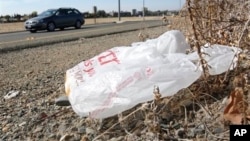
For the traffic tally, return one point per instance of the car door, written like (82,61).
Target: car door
(71,17)
(61,18)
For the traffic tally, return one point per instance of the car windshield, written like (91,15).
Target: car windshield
(47,12)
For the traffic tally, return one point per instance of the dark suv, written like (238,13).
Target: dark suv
(55,18)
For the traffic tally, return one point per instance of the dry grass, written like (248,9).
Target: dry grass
(223,22)
(10,27)
(215,22)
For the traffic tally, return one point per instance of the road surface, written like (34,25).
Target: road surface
(25,39)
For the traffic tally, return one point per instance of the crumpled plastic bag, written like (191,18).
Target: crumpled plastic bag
(121,77)
(220,58)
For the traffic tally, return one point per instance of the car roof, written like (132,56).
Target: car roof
(51,9)
(66,8)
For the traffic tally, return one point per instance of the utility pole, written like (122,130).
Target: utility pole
(143,10)
(180,5)
(119,10)
(94,11)
(179,13)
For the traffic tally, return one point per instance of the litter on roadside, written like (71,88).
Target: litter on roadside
(11,94)
(121,77)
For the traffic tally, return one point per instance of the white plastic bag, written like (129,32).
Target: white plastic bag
(220,58)
(122,77)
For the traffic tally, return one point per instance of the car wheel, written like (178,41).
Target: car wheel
(33,31)
(51,26)
(78,24)
(61,28)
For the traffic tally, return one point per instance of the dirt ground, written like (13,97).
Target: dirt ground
(37,76)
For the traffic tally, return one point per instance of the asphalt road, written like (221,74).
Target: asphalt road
(25,39)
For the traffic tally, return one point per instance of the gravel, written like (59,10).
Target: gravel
(37,75)
(31,80)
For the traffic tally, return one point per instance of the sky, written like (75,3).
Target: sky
(11,7)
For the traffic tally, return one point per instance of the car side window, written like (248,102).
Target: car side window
(70,12)
(76,12)
(60,13)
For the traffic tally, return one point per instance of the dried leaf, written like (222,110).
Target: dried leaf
(236,107)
